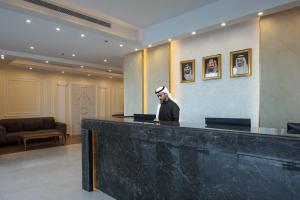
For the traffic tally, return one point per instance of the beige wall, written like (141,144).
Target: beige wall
(144,71)
(227,97)
(280,69)
(133,91)
(158,67)
(25,93)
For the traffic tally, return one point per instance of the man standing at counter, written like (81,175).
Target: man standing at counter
(167,109)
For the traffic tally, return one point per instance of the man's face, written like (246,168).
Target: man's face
(211,64)
(240,62)
(187,69)
(162,97)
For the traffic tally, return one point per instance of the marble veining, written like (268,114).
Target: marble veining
(146,161)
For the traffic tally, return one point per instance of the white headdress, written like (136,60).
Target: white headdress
(164,90)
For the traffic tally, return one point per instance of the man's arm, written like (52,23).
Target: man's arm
(175,113)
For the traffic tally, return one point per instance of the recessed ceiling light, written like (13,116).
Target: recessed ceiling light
(89,75)
(136,49)
(57,29)
(62,72)
(81,66)
(82,35)
(109,70)
(28,21)
(194,33)
(31,47)
(149,45)
(121,45)
(105,60)
(223,24)
(2,57)
(47,61)
(260,13)
(30,68)
(73,55)
(170,39)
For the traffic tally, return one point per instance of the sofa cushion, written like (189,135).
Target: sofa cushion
(12,126)
(48,123)
(32,124)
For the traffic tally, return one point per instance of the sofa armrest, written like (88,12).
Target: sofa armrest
(62,127)
(2,134)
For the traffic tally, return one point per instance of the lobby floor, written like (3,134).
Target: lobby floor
(52,173)
(33,145)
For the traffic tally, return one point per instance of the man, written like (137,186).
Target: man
(211,68)
(167,109)
(187,72)
(241,66)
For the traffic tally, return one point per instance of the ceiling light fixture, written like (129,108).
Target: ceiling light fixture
(170,39)
(62,72)
(136,49)
(2,57)
(105,60)
(57,29)
(260,14)
(149,45)
(121,45)
(73,55)
(82,35)
(194,33)
(81,66)
(110,77)
(47,61)
(28,21)
(30,68)
(109,70)
(223,24)
(31,47)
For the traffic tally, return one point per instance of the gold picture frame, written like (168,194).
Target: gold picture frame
(187,71)
(212,67)
(241,63)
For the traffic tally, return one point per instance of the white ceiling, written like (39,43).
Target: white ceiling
(129,19)
(140,13)
(17,35)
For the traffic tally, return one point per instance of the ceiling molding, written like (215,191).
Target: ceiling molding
(62,61)
(59,68)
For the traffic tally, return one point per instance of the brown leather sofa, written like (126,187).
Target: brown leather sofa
(10,129)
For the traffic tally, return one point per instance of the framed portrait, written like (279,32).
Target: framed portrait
(212,67)
(241,63)
(187,69)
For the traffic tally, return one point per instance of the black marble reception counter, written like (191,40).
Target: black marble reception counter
(135,160)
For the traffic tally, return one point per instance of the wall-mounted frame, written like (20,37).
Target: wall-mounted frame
(187,71)
(212,67)
(241,63)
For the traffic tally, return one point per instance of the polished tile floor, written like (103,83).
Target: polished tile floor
(53,173)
